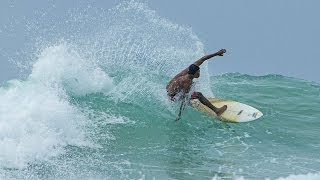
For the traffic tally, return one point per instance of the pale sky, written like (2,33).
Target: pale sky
(261,37)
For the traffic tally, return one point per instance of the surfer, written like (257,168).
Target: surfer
(179,87)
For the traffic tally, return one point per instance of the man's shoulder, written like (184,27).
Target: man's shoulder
(185,80)
(181,78)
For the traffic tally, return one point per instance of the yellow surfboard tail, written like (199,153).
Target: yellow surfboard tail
(236,111)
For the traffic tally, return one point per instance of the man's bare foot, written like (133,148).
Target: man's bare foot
(221,110)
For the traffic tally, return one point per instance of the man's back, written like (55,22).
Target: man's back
(179,84)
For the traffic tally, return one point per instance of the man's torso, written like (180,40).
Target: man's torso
(178,85)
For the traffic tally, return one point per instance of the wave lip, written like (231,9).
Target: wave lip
(62,66)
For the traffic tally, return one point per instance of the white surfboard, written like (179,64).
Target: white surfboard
(236,111)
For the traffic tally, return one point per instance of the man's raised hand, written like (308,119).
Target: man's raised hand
(221,52)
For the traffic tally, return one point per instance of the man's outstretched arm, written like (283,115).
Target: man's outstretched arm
(206,57)
(201,60)
(198,63)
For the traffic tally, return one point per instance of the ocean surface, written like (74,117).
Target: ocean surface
(91,104)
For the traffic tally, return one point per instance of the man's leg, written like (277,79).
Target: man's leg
(205,101)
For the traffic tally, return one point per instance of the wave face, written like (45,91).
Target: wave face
(93,105)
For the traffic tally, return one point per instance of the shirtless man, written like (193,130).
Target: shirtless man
(180,85)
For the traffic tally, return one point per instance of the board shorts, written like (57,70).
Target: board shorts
(195,95)
(175,97)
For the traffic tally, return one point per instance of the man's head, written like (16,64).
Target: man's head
(194,70)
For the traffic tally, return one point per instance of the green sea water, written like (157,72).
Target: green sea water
(93,105)
(283,142)
(140,139)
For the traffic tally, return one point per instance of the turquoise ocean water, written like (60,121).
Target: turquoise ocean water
(93,105)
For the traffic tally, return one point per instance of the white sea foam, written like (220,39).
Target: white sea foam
(309,176)
(35,123)
(36,119)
